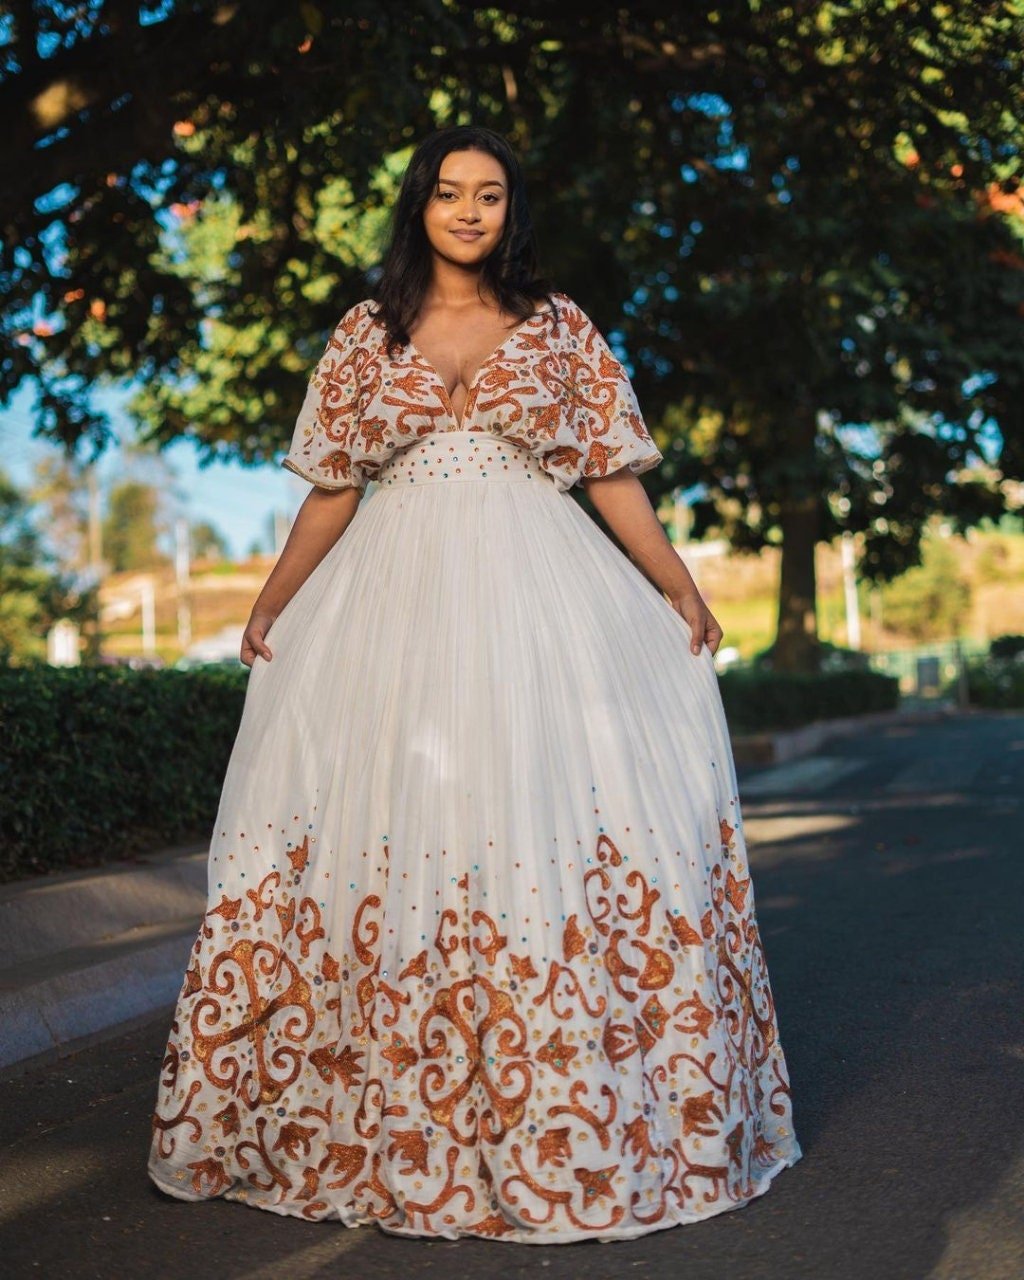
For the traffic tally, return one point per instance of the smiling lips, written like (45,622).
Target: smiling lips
(468,235)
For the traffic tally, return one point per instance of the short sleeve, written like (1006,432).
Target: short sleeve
(325,442)
(606,426)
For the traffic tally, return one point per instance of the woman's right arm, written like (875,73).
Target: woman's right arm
(322,519)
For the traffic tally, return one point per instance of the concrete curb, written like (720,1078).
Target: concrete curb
(54,1017)
(87,952)
(789,744)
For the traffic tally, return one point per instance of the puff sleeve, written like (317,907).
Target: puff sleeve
(326,447)
(606,430)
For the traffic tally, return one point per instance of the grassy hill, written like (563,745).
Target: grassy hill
(740,589)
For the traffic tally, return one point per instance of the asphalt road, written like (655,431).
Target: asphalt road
(889,872)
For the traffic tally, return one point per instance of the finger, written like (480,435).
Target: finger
(696,639)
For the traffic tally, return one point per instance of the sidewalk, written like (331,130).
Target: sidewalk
(87,954)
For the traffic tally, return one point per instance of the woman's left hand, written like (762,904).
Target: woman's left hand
(704,626)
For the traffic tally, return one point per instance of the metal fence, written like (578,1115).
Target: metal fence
(929,671)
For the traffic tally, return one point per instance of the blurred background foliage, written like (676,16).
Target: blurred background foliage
(799,223)
(34,591)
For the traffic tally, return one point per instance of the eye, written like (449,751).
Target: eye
(443,195)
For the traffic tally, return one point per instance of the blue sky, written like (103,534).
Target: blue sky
(237,500)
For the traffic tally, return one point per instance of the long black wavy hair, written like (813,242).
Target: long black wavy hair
(509,272)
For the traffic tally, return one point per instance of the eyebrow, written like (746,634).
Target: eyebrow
(491,182)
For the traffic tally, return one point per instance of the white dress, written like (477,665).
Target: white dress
(481,955)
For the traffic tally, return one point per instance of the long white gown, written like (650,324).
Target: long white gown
(481,955)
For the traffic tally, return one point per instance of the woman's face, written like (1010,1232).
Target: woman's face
(465,216)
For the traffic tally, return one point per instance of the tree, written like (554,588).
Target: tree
(130,528)
(60,488)
(208,543)
(33,594)
(805,220)
(856,334)
(929,601)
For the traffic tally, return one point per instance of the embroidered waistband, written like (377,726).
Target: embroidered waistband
(458,455)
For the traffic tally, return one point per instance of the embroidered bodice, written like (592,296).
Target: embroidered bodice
(552,386)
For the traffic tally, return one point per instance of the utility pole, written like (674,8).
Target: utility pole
(853,639)
(280,531)
(182,565)
(95,525)
(148,616)
(681,519)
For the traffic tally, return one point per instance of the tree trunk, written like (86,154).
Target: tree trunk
(796,641)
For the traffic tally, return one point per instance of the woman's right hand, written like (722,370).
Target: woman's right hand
(254,638)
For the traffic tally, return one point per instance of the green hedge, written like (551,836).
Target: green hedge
(996,683)
(100,763)
(998,680)
(756,699)
(1007,648)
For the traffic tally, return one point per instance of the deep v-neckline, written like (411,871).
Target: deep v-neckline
(417,354)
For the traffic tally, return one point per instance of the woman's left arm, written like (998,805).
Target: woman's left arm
(621,501)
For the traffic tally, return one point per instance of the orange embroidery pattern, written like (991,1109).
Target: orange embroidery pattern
(553,387)
(629,1077)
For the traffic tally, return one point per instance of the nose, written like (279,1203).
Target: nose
(469,215)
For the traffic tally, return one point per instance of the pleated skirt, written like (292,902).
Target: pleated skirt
(480,955)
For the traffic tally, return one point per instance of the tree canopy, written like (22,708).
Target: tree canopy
(801,225)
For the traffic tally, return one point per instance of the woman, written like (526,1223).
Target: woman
(480,956)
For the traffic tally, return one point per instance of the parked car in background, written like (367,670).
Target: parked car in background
(222,648)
